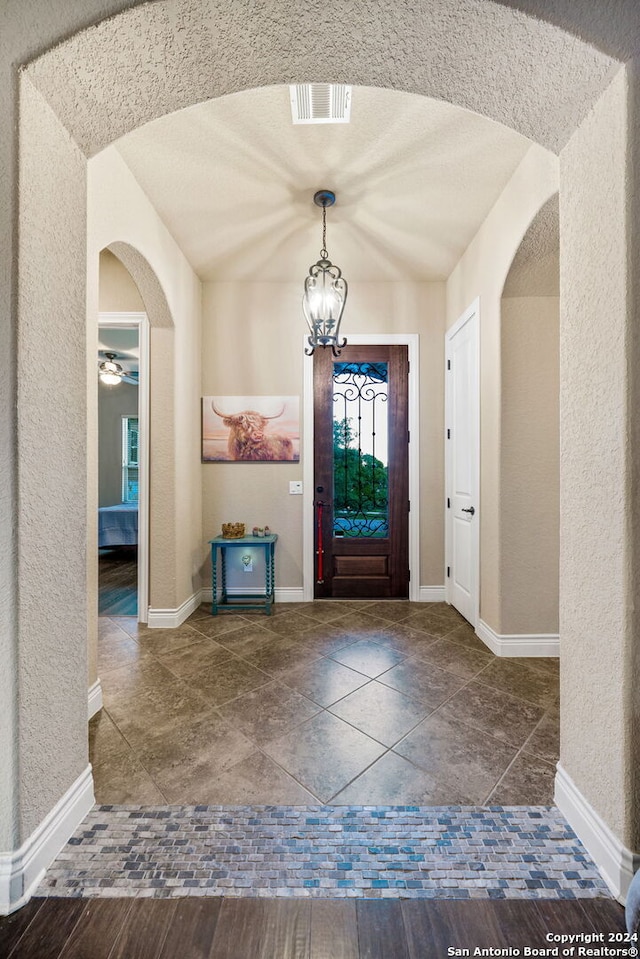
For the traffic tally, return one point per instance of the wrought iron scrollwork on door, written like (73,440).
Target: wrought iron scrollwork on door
(360,462)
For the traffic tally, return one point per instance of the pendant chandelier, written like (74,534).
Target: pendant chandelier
(325,292)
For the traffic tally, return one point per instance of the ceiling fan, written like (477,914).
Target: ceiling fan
(112,373)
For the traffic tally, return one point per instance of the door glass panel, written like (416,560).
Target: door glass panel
(360,459)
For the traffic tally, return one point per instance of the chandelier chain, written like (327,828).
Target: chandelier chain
(323,252)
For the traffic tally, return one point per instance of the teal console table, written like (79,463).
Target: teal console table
(243,600)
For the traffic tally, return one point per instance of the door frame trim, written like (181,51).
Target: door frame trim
(139,321)
(472,311)
(412,342)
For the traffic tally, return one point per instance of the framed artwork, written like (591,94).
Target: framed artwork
(250,429)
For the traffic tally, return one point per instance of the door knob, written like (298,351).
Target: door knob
(468,509)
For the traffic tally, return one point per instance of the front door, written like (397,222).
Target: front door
(361,496)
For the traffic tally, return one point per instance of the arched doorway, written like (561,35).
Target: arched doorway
(530,351)
(53,166)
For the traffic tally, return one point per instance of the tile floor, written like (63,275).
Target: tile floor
(333,749)
(405,852)
(327,702)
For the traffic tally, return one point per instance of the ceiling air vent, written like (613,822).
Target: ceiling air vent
(320,102)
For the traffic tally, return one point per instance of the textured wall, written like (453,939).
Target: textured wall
(27,27)
(595,606)
(530,469)
(632,648)
(265,314)
(482,271)
(52,485)
(121,217)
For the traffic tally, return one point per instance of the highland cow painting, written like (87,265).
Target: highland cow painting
(250,429)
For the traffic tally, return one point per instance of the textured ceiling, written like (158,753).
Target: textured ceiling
(233,179)
(169,54)
(398,212)
(612,26)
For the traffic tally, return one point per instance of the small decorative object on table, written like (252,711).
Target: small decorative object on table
(233,530)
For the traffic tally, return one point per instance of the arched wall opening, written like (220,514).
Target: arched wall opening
(120,218)
(122,434)
(90,90)
(130,287)
(126,292)
(482,271)
(530,469)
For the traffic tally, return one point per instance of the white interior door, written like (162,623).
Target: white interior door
(462,458)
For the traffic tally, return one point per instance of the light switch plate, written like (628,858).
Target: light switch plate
(295,487)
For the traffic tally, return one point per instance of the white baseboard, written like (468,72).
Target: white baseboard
(95,698)
(172,618)
(21,871)
(295,594)
(283,594)
(431,594)
(616,863)
(519,644)
(289,594)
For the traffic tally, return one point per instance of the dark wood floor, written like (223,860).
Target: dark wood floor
(118,581)
(305,929)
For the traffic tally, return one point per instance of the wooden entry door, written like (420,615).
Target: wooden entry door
(361,475)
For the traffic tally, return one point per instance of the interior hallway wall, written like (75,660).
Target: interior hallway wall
(120,213)
(236,314)
(117,293)
(28,27)
(598,538)
(52,602)
(482,272)
(530,467)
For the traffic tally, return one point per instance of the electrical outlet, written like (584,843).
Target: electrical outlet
(295,487)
